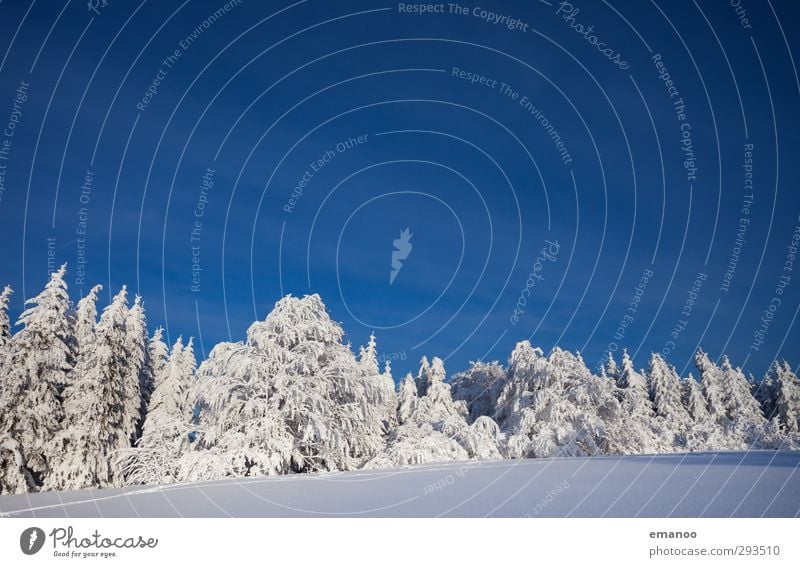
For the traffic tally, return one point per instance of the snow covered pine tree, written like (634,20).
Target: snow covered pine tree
(94,426)
(433,427)
(36,363)
(165,436)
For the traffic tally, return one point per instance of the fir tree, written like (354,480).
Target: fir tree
(641,432)
(543,405)
(5,325)
(5,338)
(787,396)
(739,402)
(704,432)
(381,382)
(628,377)
(764,392)
(15,478)
(165,433)
(434,426)
(38,360)
(138,378)
(611,369)
(94,405)
(479,387)
(368,357)
(407,399)
(712,382)
(693,400)
(665,393)
(423,379)
(158,355)
(746,420)
(86,317)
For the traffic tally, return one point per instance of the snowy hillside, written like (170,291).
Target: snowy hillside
(751,484)
(88,403)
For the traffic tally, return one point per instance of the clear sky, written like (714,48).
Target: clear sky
(596,176)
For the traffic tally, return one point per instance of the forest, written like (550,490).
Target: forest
(96,402)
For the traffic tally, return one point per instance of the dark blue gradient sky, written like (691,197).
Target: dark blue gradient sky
(445,123)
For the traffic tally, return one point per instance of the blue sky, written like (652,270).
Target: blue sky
(414,128)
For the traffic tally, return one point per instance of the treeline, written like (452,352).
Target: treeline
(88,403)
(75,390)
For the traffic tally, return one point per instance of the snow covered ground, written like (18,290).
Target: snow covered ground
(752,484)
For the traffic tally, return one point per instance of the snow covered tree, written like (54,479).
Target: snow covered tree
(611,368)
(421,438)
(704,433)
(641,432)
(628,377)
(778,394)
(787,396)
(482,439)
(188,369)
(158,355)
(138,379)
(368,357)
(479,387)
(436,374)
(417,444)
(15,478)
(764,392)
(5,338)
(173,382)
(775,437)
(165,434)
(528,374)
(739,401)
(290,399)
(37,361)
(665,393)
(712,382)
(552,406)
(381,382)
(422,378)
(407,399)
(429,373)
(5,325)
(693,400)
(94,425)
(388,381)
(14,475)
(188,360)
(433,427)
(437,403)
(86,317)
(746,420)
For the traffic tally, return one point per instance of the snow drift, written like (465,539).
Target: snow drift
(753,484)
